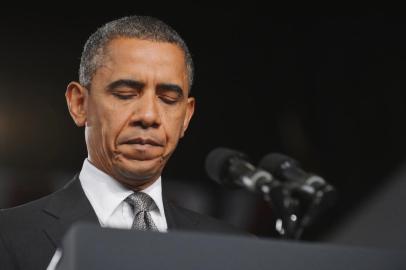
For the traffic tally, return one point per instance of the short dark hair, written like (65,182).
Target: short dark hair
(141,27)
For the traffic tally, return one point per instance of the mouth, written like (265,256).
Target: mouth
(141,148)
(143,141)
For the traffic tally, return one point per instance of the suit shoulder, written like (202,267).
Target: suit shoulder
(24,210)
(30,209)
(26,217)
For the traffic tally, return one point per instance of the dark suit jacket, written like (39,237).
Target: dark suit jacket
(30,234)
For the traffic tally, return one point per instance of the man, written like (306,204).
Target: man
(133,98)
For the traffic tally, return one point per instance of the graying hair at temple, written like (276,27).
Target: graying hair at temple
(141,27)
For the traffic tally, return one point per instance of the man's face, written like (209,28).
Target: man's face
(137,109)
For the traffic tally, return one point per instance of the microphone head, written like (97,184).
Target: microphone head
(218,163)
(275,162)
(288,170)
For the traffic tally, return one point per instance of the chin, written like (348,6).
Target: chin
(139,171)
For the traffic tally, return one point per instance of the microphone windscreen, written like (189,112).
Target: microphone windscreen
(218,162)
(273,162)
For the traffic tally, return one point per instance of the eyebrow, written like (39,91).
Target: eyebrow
(139,85)
(170,87)
(125,82)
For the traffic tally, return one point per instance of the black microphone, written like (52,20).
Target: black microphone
(231,168)
(304,184)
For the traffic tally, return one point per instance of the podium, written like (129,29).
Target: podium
(87,247)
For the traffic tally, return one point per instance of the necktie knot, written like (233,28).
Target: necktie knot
(141,204)
(140,201)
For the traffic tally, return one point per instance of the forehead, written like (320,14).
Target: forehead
(144,59)
(134,47)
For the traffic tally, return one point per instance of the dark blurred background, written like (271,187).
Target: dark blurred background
(326,90)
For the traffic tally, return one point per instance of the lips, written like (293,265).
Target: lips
(142,141)
(140,148)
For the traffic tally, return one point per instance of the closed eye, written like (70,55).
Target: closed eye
(125,96)
(169,93)
(125,89)
(169,99)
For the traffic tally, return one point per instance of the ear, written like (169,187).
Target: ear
(190,109)
(76,99)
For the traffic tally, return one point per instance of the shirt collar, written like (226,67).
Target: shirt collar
(106,194)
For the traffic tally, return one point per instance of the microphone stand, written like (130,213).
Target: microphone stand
(294,213)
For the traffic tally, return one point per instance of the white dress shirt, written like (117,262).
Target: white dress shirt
(107,195)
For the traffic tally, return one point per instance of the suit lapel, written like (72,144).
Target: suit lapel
(65,207)
(177,218)
(70,205)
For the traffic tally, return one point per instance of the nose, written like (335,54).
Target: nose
(146,113)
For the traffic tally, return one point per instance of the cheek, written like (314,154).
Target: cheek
(173,126)
(108,122)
